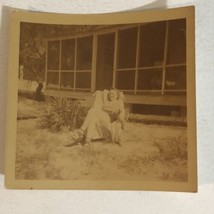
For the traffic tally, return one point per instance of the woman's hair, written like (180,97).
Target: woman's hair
(114,89)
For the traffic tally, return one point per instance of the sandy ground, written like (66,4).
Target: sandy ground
(42,154)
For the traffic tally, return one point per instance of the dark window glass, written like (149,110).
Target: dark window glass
(152,40)
(67,79)
(177,41)
(52,78)
(127,46)
(175,78)
(149,79)
(125,79)
(67,56)
(83,80)
(53,55)
(105,61)
(84,53)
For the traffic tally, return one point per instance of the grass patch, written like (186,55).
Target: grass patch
(42,154)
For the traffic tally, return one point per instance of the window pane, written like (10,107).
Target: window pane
(53,55)
(83,80)
(127,45)
(150,79)
(177,41)
(152,40)
(67,57)
(84,53)
(176,78)
(125,79)
(105,61)
(52,78)
(67,79)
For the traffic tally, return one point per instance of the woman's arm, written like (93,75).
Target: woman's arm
(98,101)
(105,96)
(121,115)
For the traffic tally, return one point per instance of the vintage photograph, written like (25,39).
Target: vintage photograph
(103,102)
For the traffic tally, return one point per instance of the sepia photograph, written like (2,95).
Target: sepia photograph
(106,104)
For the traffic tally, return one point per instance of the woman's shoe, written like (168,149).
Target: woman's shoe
(78,135)
(87,143)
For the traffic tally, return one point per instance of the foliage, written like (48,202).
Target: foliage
(62,113)
(33,38)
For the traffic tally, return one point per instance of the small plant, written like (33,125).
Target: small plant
(62,113)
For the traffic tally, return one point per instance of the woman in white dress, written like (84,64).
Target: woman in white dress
(105,118)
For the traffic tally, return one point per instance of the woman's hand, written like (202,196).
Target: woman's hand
(120,117)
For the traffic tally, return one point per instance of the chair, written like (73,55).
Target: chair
(116,126)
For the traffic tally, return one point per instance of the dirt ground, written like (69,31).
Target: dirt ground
(148,152)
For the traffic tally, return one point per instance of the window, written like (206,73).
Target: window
(126,59)
(68,54)
(152,39)
(53,55)
(52,79)
(152,57)
(127,46)
(105,60)
(84,53)
(84,62)
(176,42)
(149,79)
(83,80)
(53,63)
(125,80)
(67,79)
(69,63)
(148,57)
(175,78)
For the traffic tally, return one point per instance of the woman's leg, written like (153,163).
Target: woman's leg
(104,125)
(96,120)
(90,132)
(89,117)
(82,132)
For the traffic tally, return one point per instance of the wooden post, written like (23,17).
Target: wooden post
(94,62)
(165,57)
(137,60)
(75,64)
(115,58)
(46,65)
(60,57)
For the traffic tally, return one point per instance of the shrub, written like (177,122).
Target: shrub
(62,113)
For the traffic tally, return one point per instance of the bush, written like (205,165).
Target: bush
(62,113)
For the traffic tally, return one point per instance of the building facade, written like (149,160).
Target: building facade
(146,61)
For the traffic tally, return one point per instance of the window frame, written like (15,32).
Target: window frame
(93,70)
(75,70)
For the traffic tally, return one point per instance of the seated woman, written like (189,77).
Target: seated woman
(106,117)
